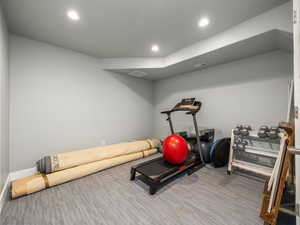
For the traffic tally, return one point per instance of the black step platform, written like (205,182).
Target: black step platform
(157,172)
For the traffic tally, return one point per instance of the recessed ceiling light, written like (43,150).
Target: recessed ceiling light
(155,48)
(73,15)
(203,22)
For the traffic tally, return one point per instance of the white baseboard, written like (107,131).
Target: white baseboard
(11,177)
(4,193)
(22,173)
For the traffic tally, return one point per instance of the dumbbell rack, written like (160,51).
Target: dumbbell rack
(269,151)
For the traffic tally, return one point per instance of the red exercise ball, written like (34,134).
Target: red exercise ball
(175,149)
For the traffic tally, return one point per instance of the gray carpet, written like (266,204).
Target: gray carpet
(208,197)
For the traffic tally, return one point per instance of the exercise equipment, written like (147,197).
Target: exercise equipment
(175,149)
(53,163)
(207,135)
(255,152)
(274,133)
(262,133)
(219,152)
(206,140)
(244,132)
(237,131)
(157,172)
(242,144)
(264,127)
(247,127)
(206,147)
(39,182)
(266,132)
(234,146)
(159,148)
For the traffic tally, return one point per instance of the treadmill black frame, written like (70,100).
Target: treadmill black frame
(191,107)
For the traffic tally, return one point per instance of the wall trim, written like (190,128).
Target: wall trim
(4,196)
(22,173)
(4,192)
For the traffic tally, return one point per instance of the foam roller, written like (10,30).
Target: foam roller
(40,182)
(53,163)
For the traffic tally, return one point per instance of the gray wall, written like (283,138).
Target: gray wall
(62,101)
(252,91)
(4,142)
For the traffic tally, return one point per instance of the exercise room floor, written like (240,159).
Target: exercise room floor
(208,197)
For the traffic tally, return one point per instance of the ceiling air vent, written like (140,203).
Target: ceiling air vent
(200,65)
(137,73)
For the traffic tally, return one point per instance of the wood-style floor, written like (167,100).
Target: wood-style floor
(208,197)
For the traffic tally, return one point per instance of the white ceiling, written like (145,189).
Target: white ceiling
(259,44)
(270,31)
(119,28)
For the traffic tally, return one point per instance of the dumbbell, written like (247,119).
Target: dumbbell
(264,127)
(275,128)
(237,140)
(240,145)
(262,134)
(244,132)
(273,133)
(263,131)
(235,144)
(246,129)
(240,126)
(234,147)
(244,143)
(237,130)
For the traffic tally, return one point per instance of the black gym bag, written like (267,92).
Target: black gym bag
(219,152)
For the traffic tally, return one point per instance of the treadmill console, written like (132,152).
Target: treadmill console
(190,105)
(187,101)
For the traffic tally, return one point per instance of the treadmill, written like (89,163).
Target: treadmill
(157,172)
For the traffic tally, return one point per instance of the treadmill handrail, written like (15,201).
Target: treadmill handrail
(166,112)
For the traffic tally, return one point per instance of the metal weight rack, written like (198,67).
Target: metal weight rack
(257,156)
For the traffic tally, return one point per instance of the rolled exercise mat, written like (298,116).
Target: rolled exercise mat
(53,163)
(39,182)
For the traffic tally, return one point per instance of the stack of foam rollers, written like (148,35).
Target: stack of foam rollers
(60,168)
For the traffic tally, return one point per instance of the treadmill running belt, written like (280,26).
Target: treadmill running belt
(156,168)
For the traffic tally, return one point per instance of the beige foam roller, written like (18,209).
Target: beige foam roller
(39,182)
(27,185)
(71,159)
